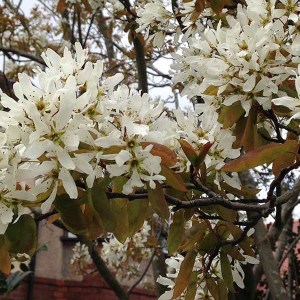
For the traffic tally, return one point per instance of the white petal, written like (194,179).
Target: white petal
(65,159)
(68,183)
(45,207)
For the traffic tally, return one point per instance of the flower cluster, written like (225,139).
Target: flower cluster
(125,259)
(246,59)
(72,126)
(81,259)
(202,292)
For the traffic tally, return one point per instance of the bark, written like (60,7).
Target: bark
(264,248)
(104,271)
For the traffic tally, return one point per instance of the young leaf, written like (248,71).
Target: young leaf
(189,151)
(184,274)
(176,232)
(203,153)
(158,201)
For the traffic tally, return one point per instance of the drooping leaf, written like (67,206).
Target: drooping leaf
(119,209)
(93,223)
(158,201)
(234,252)
(213,288)
(226,271)
(222,290)
(263,155)
(192,288)
(208,243)
(173,179)
(138,210)
(100,203)
(184,274)
(70,213)
(176,231)
(21,237)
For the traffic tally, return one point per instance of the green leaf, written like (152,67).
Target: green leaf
(226,271)
(21,237)
(226,213)
(158,202)
(263,155)
(208,243)
(192,288)
(102,205)
(93,223)
(213,288)
(222,290)
(71,214)
(184,274)
(119,209)
(138,210)
(173,179)
(176,231)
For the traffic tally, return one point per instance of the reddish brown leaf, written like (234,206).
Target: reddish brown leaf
(168,157)
(173,179)
(61,6)
(158,201)
(263,155)
(285,160)
(184,274)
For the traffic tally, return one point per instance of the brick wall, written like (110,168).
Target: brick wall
(91,288)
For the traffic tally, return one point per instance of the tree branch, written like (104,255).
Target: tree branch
(22,53)
(104,271)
